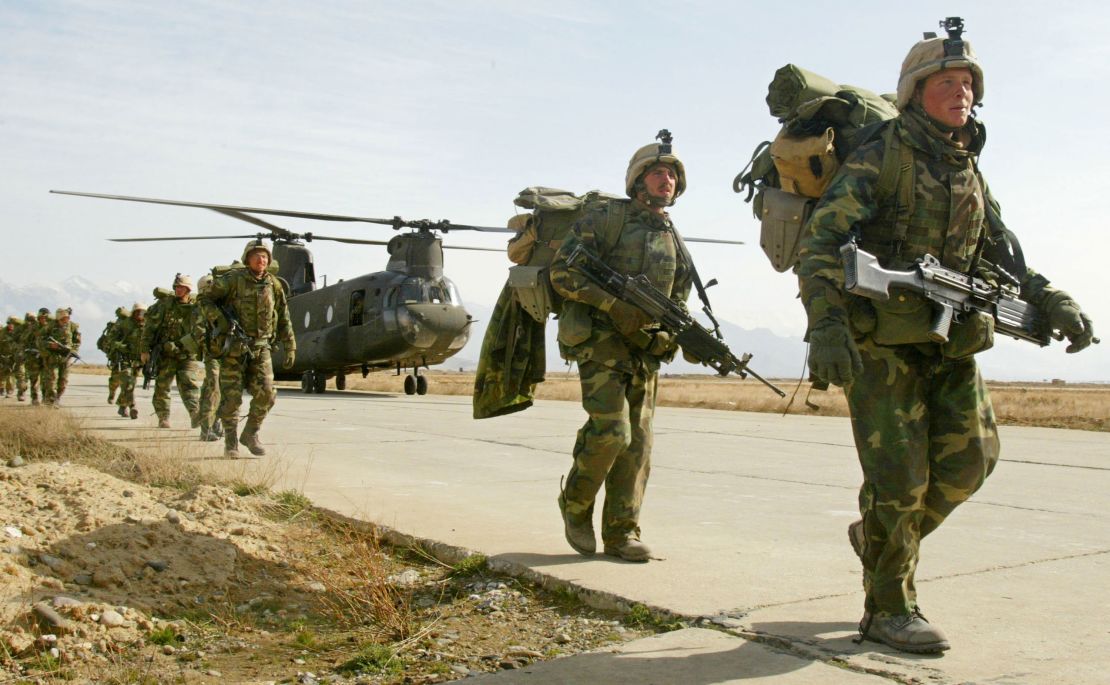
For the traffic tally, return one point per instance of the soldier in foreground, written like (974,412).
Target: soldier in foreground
(58,343)
(207,317)
(33,327)
(167,336)
(254,302)
(618,352)
(125,346)
(923,422)
(103,343)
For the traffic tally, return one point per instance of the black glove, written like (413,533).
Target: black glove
(1064,315)
(833,356)
(626,318)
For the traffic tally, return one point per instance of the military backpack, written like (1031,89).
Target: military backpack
(822,122)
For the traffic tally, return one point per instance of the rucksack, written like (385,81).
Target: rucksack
(105,339)
(542,231)
(822,123)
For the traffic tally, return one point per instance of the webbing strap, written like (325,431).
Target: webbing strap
(896,178)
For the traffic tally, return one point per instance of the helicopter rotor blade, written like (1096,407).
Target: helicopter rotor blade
(194,237)
(352,241)
(713,240)
(278,231)
(476,249)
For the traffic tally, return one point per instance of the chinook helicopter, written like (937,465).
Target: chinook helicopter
(408,317)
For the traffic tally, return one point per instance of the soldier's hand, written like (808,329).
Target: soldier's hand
(626,318)
(662,342)
(833,356)
(1064,315)
(144,358)
(290,358)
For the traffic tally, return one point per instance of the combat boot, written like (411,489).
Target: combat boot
(231,445)
(629,548)
(904,632)
(134,412)
(163,422)
(122,411)
(19,398)
(580,535)
(207,434)
(35,401)
(249,439)
(111,397)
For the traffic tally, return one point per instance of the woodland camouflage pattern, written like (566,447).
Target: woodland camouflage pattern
(922,419)
(169,324)
(55,360)
(31,360)
(125,347)
(618,377)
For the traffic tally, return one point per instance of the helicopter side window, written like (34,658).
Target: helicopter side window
(358,300)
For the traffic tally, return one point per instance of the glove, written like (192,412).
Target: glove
(144,358)
(169,348)
(290,357)
(1064,315)
(626,318)
(833,356)
(662,342)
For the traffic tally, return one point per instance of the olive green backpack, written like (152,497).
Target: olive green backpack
(822,122)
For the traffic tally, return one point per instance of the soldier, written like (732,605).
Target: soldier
(168,337)
(125,346)
(104,343)
(32,356)
(11,360)
(923,422)
(619,352)
(257,301)
(58,343)
(209,318)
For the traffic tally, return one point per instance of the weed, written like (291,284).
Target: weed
(288,505)
(639,616)
(472,565)
(373,659)
(165,635)
(306,639)
(247,489)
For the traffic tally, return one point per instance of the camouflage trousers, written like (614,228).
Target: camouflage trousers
(55,378)
(256,375)
(210,393)
(186,372)
(14,379)
(613,447)
(19,374)
(114,378)
(128,373)
(34,374)
(926,437)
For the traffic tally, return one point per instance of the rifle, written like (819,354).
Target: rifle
(697,342)
(150,369)
(70,354)
(235,330)
(953,292)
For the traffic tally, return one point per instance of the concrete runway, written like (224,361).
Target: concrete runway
(746,514)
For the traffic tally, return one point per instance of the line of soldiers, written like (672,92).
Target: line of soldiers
(231,326)
(35,352)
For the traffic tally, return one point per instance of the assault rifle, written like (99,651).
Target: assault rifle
(235,331)
(150,369)
(953,293)
(70,354)
(697,342)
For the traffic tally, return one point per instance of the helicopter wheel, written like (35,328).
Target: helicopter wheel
(306,382)
(319,382)
(340,381)
(410,385)
(421,385)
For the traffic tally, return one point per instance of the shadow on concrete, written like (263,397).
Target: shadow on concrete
(833,638)
(536,560)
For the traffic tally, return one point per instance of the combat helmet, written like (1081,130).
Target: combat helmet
(138,307)
(62,312)
(122,312)
(650,155)
(932,54)
(43,311)
(14,320)
(185,280)
(204,282)
(254,245)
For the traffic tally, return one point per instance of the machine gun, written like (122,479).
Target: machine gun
(953,293)
(70,354)
(235,332)
(150,368)
(697,342)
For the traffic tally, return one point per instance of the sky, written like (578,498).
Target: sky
(437,109)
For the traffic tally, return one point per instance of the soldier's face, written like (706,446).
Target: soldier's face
(257,261)
(660,182)
(947,96)
(181,291)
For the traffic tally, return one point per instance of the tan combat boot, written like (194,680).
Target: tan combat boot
(580,535)
(629,548)
(163,422)
(904,632)
(134,412)
(231,445)
(249,439)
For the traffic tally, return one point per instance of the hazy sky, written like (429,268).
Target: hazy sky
(447,109)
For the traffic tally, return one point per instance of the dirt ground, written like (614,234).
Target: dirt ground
(107,579)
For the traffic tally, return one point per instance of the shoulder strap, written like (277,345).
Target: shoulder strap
(896,179)
(680,244)
(615,213)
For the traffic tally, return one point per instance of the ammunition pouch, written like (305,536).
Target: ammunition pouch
(782,217)
(975,333)
(904,319)
(862,318)
(532,289)
(575,323)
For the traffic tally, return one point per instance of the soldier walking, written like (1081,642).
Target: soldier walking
(11,359)
(104,344)
(923,422)
(256,300)
(58,343)
(32,359)
(125,346)
(167,338)
(619,351)
(208,318)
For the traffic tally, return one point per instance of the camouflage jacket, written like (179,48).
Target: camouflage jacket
(127,341)
(104,342)
(209,330)
(169,324)
(645,245)
(32,331)
(10,351)
(57,335)
(259,303)
(948,222)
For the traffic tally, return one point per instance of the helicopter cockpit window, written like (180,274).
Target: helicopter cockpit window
(358,300)
(412,292)
(436,294)
(451,291)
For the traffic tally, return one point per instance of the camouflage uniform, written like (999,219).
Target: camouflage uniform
(11,358)
(618,373)
(259,304)
(32,358)
(206,318)
(125,346)
(169,326)
(61,333)
(922,419)
(103,344)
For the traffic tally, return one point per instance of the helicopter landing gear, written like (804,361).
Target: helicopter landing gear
(416,385)
(410,385)
(314,382)
(340,381)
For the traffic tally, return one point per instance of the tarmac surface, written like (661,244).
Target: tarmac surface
(746,515)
